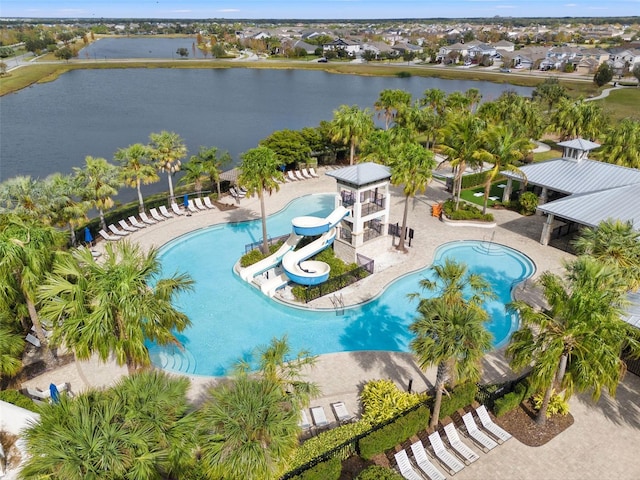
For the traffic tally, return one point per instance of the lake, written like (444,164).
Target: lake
(52,127)
(140,47)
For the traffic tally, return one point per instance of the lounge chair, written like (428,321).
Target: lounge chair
(156,215)
(304,422)
(37,394)
(192,208)
(32,339)
(165,212)
(342,414)
(313,173)
(134,221)
(479,437)
(319,417)
(125,226)
(147,220)
(113,229)
(299,175)
(423,462)
(405,467)
(461,448)
(445,456)
(208,204)
(291,176)
(305,174)
(495,430)
(242,192)
(199,204)
(107,236)
(176,209)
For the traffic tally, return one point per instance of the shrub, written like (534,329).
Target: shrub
(18,399)
(255,255)
(329,470)
(557,404)
(397,432)
(461,396)
(383,400)
(528,203)
(474,179)
(507,403)
(376,472)
(465,211)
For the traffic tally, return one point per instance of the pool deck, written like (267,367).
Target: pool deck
(604,438)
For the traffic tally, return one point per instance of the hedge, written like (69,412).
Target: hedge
(510,401)
(329,470)
(461,396)
(376,472)
(397,432)
(465,211)
(18,399)
(474,179)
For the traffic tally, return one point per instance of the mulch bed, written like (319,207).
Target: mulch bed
(224,206)
(520,423)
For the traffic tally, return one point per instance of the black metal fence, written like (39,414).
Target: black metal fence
(270,241)
(337,283)
(488,394)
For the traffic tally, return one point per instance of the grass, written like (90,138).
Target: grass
(495,191)
(622,104)
(542,156)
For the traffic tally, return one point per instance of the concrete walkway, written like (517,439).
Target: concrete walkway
(601,443)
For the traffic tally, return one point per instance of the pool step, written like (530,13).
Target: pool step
(173,359)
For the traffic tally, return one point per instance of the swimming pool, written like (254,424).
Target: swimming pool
(230,318)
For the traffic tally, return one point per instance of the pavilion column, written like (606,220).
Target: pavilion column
(506,194)
(547,228)
(544,196)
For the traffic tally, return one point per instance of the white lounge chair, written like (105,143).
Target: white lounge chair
(306,174)
(176,209)
(304,420)
(33,340)
(145,218)
(134,221)
(472,429)
(405,467)
(165,212)
(454,440)
(125,226)
(313,173)
(208,204)
(423,462)
(199,204)
(319,417)
(495,430)
(242,192)
(156,215)
(192,208)
(37,394)
(107,236)
(342,414)
(113,229)
(291,176)
(299,175)
(445,456)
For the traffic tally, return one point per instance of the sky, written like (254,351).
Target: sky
(315,9)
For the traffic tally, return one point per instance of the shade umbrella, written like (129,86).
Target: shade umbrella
(55,394)
(186,201)
(88,238)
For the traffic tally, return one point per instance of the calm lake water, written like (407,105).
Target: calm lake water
(140,47)
(52,127)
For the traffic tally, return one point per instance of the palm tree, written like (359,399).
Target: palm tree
(450,330)
(453,337)
(99,181)
(575,343)
(622,144)
(463,141)
(259,174)
(505,148)
(350,126)
(114,306)
(67,209)
(251,430)
(522,115)
(11,348)
(136,168)
(573,119)
(167,150)
(550,92)
(616,244)
(195,172)
(275,364)
(213,163)
(412,166)
(474,96)
(390,102)
(27,251)
(25,196)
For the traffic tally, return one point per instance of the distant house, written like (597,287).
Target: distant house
(295,44)
(449,50)
(407,47)
(377,48)
(587,66)
(504,46)
(530,57)
(480,50)
(352,48)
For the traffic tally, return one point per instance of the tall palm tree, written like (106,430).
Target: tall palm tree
(390,102)
(575,343)
(505,148)
(11,348)
(25,196)
(573,119)
(463,141)
(194,173)
(67,208)
(474,96)
(259,173)
(27,251)
(167,150)
(613,243)
(99,182)
(522,115)
(350,126)
(622,144)
(136,168)
(114,306)
(213,163)
(453,337)
(250,430)
(412,167)
(274,364)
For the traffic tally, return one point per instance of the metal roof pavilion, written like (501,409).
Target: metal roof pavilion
(361,174)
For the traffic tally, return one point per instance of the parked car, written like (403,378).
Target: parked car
(322,60)
(505,70)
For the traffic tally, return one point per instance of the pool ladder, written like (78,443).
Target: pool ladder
(338,304)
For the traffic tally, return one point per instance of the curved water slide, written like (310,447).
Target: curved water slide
(272,260)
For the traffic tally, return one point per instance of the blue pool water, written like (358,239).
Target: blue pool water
(230,318)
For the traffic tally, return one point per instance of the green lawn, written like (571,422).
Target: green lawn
(622,103)
(470,195)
